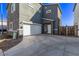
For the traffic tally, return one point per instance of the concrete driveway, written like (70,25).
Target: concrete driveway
(46,45)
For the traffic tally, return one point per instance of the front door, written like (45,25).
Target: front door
(49,29)
(45,28)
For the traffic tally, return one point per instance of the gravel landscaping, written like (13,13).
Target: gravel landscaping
(7,42)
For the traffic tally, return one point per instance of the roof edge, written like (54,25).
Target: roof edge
(74,6)
(59,8)
(7,6)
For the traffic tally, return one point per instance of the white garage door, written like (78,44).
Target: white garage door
(30,29)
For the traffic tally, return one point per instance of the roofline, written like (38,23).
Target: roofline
(74,6)
(49,4)
(59,8)
(9,3)
(7,6)
(54,4)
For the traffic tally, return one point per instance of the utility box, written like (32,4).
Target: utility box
(14,34)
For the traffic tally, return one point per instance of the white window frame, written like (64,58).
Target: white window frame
(39,11)
(48,11)
(12,7)
(45,7)
(11,26)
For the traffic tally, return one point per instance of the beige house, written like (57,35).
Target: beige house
(76,19)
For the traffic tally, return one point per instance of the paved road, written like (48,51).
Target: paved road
(46,45)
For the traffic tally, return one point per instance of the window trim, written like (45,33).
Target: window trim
(48,11)
(12,7)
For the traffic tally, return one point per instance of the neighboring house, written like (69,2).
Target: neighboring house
(33,18)
(4,23)
(76,18)
(51,18)
(24,18)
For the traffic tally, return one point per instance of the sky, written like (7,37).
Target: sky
(67,17)
(4,12)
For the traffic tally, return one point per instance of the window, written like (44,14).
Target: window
(11,26)
(39,11)
(45,7)
(12,7)
(48,11)
(48,14)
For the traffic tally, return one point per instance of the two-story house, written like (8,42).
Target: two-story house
(33,18)
(24,18)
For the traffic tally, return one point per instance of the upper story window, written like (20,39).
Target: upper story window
(12,7)
(11,25)
(45,7)
(48,11)
(39,11)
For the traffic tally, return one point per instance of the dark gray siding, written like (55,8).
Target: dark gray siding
(37,18)
(53,14)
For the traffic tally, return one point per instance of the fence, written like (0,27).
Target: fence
(67,30)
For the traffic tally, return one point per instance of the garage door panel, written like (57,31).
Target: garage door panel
(29,29)
(26,30)
(35,29)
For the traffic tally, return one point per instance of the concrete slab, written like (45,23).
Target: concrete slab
(50,51)
(53,53)
(45,45)
(72,49)
(1,53)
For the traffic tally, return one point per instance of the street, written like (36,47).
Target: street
(46,45)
